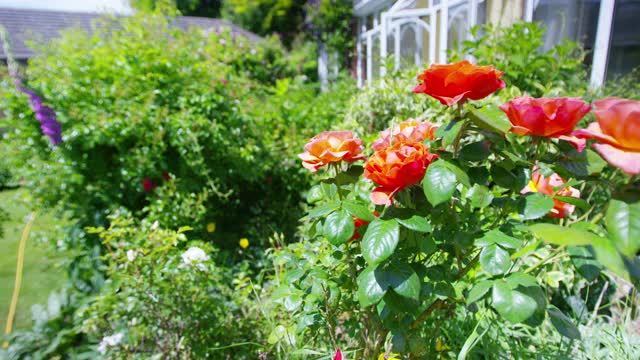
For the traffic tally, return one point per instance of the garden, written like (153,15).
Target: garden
(199,197)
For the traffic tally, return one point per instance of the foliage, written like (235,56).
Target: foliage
(516,50)
(174,308)
(626,86)
(388,101)
(331,21)
(466,237)
(266,17)
(204,8)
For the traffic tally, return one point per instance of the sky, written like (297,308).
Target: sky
(120,6)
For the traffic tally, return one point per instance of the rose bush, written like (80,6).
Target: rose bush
(474,217)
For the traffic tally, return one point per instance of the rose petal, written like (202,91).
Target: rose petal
(627,161)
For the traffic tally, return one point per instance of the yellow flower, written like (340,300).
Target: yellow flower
(533,186)
(441,346)
(244,243)
(392,356)
(211,227)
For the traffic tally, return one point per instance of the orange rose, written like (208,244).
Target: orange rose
(546,186)
(456,82)
(408,131)
(617,132)
(331,146)
(548,117)
(395,168)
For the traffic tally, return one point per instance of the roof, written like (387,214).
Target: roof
(26,24)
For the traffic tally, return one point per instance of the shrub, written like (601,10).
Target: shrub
(478,222)
(518,51)
(142,105)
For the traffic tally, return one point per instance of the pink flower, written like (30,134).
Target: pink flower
(617,131)
(338,355)
(547,117)
(546,186)
(331,146)
(411,130)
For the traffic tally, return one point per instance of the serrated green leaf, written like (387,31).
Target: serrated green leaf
(513,305)
(380,240)
(371,288)
(358,210)
(496,236)
(416,223)
(479,290)
(560,235)
(623,224)
(323,210)
(490,118)
(535,206)
(403,280)
(338,227)
(479,196)
(563,323)
(583,258)
(495,260)
(449,132)
(439,183)
(579,203)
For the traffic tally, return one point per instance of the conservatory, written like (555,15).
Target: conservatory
(396,34)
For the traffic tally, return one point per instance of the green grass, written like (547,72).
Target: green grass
(41,275)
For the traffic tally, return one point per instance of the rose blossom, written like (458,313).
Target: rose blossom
(411,130)
(452,83)
(547,117)
(544,185)
(331,146)
(395,168)
(617,132)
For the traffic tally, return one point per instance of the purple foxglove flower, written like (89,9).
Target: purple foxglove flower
(44,114)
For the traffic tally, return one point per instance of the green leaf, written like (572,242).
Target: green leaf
(371,288)
(416,223)
(560,235)
(338,227)
(461,175)
(479,290)
(495,260)
(439,183)
(323,210)
(583,258)
(403,280)
(358,210)
(476,151)
(623,223)
(479,196)
(449,132)
(535,206)
(580,203)
(496,236)
(608,256)
(513,305)
(509,180)
(490,118)
(380,240)
(563,323)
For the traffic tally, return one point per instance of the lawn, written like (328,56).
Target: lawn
(41,275)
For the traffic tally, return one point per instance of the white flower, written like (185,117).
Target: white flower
(110,341)
(222,41)
(194,256)
(155,225)
(131,255)
(253,51)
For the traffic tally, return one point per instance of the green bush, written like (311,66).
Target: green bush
(517,50)
(140,101)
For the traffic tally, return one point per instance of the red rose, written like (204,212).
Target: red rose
(546,186)
(617,131)
(395,168)
(547,117)
(408,131)
(357,222)
(331,146)
(459,81)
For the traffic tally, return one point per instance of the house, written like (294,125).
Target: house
(407,32)
(44,25)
